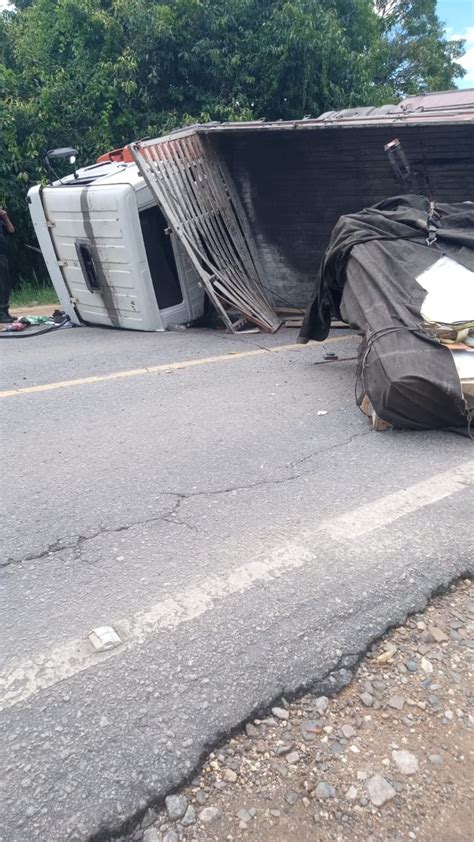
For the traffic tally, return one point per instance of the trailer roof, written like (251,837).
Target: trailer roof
(455,106)
(441,99)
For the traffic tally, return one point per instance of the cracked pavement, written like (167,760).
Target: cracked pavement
(138,502)
(78,541)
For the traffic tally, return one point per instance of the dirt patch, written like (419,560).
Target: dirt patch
(34,310)
(389,758)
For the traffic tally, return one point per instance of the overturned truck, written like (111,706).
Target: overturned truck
(242,210)
(254,204)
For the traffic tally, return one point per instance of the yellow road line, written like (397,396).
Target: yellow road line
(163,367)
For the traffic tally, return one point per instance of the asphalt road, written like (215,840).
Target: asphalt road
(242,545)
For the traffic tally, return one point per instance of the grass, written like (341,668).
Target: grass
(28,294)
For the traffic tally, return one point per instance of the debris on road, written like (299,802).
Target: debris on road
(104,637)
(357,766)
(44,324)
(402,274)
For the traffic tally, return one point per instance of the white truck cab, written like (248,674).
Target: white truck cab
(110,253)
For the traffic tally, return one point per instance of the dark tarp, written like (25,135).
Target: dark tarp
(368,278)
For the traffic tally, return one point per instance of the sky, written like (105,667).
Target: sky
(458,16)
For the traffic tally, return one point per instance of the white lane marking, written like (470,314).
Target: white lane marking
(194,601)
(401,503)
(22,679)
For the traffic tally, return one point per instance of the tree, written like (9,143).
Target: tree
(315,55)
(416,56)
(96,74)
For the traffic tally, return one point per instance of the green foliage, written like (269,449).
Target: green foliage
(32,294)
(416,56)
(96,74)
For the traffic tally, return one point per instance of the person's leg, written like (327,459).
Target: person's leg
(5,288)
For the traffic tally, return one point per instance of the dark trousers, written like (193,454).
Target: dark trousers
(5,282)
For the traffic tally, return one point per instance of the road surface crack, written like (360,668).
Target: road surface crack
(274,481)
(77,542)
(173,515)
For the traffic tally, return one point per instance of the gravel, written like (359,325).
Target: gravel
(387,758)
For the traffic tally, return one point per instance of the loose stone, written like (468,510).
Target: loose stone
(189,817)
(321,704)
(380,790)
(405,761)
(281,713)
(176,807)
(397,702)
(348,731)
(209,814)
(325,790)
(291,797)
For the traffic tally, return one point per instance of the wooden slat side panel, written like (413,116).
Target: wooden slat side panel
(191,188)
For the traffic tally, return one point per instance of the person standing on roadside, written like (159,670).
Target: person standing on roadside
(6,228)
